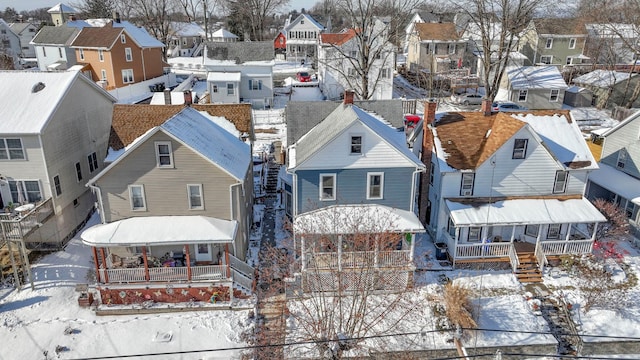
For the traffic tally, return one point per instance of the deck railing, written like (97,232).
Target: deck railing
(562,247)
(164,274)
(241,266)
(18,226)
(513,258)
(355,259)
(209,272)
(488,250)
(540,257)
(242,280)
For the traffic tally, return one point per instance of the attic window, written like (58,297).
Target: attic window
(37,87)
(302,22)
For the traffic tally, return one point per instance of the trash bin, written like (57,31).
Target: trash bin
(441,251)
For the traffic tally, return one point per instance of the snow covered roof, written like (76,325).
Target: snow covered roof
(187,29)
(223,34)
(618,182)
(612,30)
(302,17)
(29,98)
(562,136)
(524,211)
(633,117)
(161,230)
(62,8)
(602,78)
(536,77)
(341,119)
(138,34)
(348,219)
(223,76)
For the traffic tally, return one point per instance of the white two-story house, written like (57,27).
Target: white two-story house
(301,36)
(504,184)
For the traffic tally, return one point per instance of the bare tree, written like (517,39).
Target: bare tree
(194,8)
(354,283)
(96,8)
(497,24)
(254,14)
(155,16)
(375,25)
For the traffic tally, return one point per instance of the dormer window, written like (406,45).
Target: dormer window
(466,187)
(519,149)
(622,158)
(356,144)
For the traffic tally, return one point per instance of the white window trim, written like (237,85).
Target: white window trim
(128,54)
(551,95)
(123,39)
(23,187)
(564,182)
(518,151)
(369,175)
(8,152)
(126,80)
(557,234)
(101,55)
(93,163)
(574,43)
(78,167)
(103,74)
(532,226)
(320,187)
(191,207)
(55,189)
(351,136)
(144,199)
(80,54)
(622,158)
(467,191)
(547,56)
(548,44)
(233,89)
(526,95)
(157,146)
(479,229)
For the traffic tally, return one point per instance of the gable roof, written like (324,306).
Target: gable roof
(437,31)
(186,29)
(340,119)
(240,52)
(536,77)
(97,37)
(26,110)
(337,39)
(467,139)
(62,8)
(304,17)
(223,34)
(302,116)
(20,27)
(602,78)
(560,26)
(633,117)
(138,34)
(129,122)
(55,35)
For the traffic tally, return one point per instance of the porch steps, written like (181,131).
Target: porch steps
(528,270)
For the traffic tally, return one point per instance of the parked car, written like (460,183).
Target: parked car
(506,106)
(467,99)
(303,76)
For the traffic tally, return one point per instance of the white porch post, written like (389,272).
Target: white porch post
(413,246)
(566,240)
(593,236)
(303,256)
(376,252)
(339,252)
(513,233)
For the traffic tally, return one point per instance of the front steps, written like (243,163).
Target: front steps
(528,271)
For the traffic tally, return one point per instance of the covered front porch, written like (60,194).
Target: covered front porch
(492,231)
(150,251)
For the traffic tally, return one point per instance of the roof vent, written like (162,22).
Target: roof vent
(37,87)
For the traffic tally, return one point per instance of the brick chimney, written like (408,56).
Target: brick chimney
(187,98)
(428,122)
(486,107)
(348,97)
(167,96)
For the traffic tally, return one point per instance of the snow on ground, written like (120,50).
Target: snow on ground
(34,321)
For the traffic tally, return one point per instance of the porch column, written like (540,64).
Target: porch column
(376,252)
(339,252)
(303,256)
(513,233)
(104,262)
(412,248)
(226,259)
(146,264)
(188,260)
(593,236)
(96,263)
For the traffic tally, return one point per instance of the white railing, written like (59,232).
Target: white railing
(242,267)
(355,259)
(208,272)
(540,257)
(513,258)
(488,250)
(563,247)
(242,280)
(124,275)
(168,274)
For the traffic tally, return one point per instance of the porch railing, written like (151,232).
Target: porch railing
(355,259)
(241,266)
(209,272)
(488,250)
(242,280)
(513,258)
(164,274)
(563,247)
(18,226)
(540,257)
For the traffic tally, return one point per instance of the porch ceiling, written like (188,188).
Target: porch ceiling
(618,182)
(524,211)
(161,230)
(350,219)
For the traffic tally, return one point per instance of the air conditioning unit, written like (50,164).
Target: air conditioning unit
(467,192)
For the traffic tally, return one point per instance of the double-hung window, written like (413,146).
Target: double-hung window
(56,184)
(356,144)
(553,95)
(554,231)
(11,149)
(466,188)
(164,155)
(532,230)
(522,95)
(79,172)
(101,55)
(230,89)
(136,196)
(127,76)
(255,84)
(25,190)
(92,160)
(519,149)
(128,55)
(327,187)
(81,54)
(474,234)
(572,43)
(561,181)
(549,43)
(195,196)
(375,186)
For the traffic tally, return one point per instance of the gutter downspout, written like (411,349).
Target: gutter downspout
(96,190)
(414,181)
(232,209)
(144,70)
